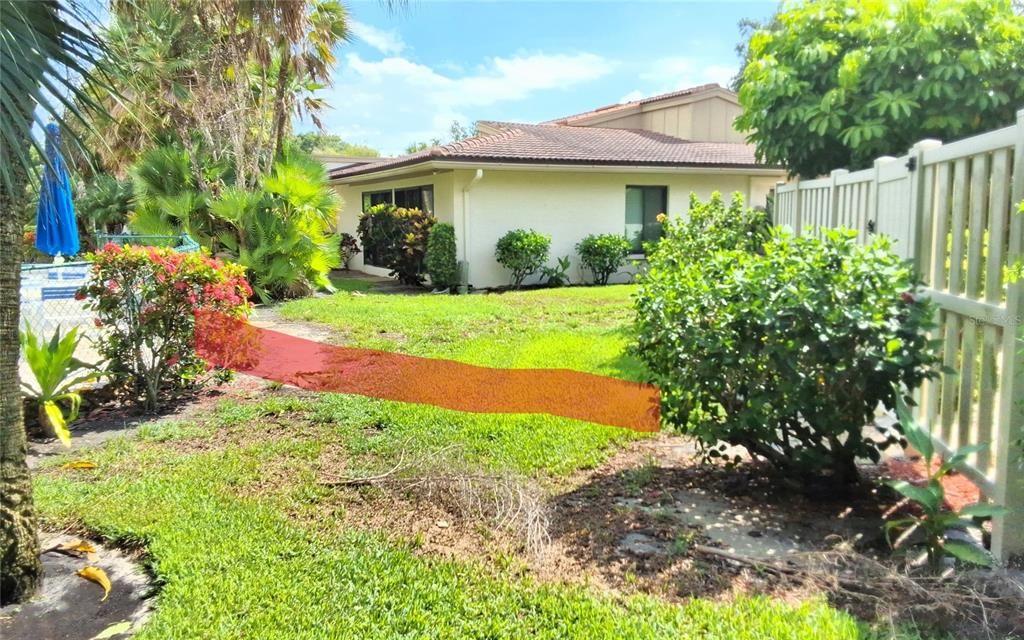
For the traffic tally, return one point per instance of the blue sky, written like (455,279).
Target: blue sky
(408,74)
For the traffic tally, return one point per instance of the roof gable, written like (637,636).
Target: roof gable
(681,96)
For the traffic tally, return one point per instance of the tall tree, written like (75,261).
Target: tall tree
(44,48)
(836,83)
(223,76)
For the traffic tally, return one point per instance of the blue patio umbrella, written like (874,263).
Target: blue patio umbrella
(56,228)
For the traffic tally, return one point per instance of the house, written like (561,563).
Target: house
(610,170)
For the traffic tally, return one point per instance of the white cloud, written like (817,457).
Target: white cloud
(680,72)
(387,42)
(410,101)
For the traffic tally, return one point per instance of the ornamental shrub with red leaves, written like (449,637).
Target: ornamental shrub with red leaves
(146,300)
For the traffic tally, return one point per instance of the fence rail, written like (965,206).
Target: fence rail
(951,210)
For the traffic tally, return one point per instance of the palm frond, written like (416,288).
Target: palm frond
(47,50)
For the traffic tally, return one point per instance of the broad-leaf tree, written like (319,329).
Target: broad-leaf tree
(836,83)
(44,48)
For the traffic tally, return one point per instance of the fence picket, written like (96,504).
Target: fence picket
(950,208)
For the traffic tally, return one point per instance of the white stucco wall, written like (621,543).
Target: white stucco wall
(570,205)
(566,205)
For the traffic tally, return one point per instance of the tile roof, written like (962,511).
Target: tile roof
(559,144)
(634,103)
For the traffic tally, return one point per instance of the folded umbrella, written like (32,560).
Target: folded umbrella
(56,227)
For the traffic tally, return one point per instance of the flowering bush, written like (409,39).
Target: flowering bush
(146,299)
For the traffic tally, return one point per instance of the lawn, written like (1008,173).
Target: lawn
(246,541)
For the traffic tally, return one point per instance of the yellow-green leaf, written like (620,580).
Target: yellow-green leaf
(79,546)
(97,575)
(79,464)
(56,417)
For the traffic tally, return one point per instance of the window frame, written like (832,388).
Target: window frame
(639,253)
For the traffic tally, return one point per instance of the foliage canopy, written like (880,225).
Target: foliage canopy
(837,83)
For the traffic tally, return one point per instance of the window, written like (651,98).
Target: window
(643,204)
(409,198)
(373,198)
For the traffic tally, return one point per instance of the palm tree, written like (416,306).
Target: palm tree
(43,48)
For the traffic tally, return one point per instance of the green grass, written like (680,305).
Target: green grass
(237,567)
(238,562)
(581,328)
(343,282)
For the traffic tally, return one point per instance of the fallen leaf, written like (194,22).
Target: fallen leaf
(114,630)
(80,464)
(79,546)
(442,524)
(99,576)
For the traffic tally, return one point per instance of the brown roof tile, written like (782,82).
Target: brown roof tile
(558,144)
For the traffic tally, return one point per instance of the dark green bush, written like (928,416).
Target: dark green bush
(349,248)
(441,263)
(396,238)
(603,254)
(523,252)
(785,350)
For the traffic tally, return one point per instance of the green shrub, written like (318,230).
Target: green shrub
(714,226)
(278,230)
(57,373)
(787,352)
(523,252)
(603,254)
(106,203)
(933,517)
(349,248)
(441,256)
(557,275)
(146,300)
(396,238)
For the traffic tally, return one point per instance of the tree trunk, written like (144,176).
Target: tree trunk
(20,567)
(280,99)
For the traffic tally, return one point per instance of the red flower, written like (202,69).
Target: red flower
(173,360)
(80,295)
(97,322)
(907,297)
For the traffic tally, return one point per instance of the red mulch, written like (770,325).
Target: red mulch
(960,491)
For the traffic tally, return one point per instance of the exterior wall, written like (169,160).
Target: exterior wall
(352,200)
(706,120)
(568,206)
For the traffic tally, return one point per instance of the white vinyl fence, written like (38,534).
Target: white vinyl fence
(951,209)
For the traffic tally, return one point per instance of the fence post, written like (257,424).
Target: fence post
(1008,531)
(833,198)
(873,197)
(919,224)
(797,209)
